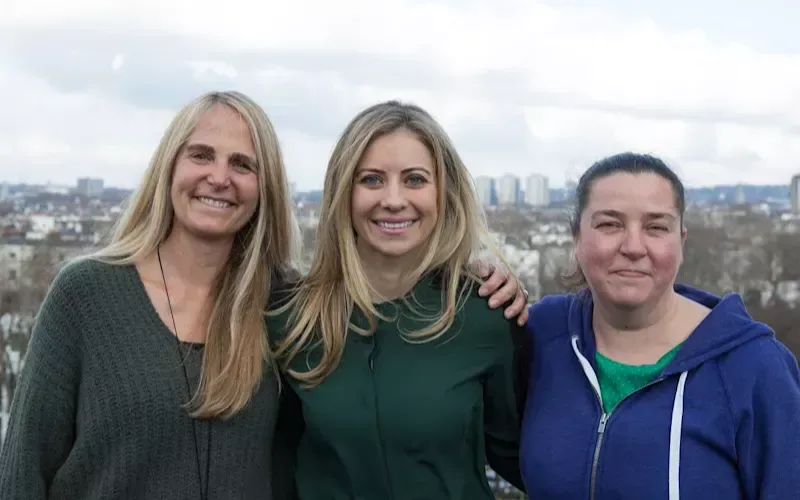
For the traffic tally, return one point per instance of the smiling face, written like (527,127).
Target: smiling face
(394,201)
(630,241)
(215,182)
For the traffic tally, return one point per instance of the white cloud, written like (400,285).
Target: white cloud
(52,135)
(575,84)
(116,64)
(208,70)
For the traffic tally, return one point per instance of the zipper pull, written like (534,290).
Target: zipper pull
(602,427)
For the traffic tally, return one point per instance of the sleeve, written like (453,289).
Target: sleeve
(504,398)
(288,431)
(41,428)
(768,434)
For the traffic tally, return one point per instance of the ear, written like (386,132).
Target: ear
(575,248)
(683,245)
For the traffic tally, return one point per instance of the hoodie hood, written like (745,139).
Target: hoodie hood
(726,327)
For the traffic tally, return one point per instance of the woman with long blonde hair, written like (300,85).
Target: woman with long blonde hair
(147,373)
(145,376)
(403,374)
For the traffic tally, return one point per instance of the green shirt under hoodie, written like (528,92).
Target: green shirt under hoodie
(97,413)
(403,421)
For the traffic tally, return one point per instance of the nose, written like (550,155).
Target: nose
(633,244)
(219,174)
(394,198)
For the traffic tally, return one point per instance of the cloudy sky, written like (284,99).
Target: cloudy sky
(521,85)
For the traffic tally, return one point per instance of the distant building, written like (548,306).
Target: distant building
(4,191)
(89,187)
(508,190)
(740,196)
(795,193)
(537,190)
(484,185)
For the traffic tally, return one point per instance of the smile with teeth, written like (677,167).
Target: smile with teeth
(394,225)
(211,202)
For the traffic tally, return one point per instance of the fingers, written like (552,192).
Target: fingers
(483,269)
(496,280)
(522,319)
(505,294)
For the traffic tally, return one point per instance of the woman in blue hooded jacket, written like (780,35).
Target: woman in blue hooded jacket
(641,388)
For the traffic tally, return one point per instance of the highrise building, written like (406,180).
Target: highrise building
(795,193)
(484,185)
(508,190)
(537,190)
(90,187)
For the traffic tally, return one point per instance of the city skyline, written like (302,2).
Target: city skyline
(522,87)
(74,183)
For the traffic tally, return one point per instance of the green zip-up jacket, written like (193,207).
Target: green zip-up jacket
(403,421)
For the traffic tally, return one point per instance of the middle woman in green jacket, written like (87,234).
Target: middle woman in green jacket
(405,376)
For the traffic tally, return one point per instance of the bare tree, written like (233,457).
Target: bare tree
(510,222)
(19,304)
(773,263)
(554,262)
(703,258)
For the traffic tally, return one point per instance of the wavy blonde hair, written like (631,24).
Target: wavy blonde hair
(236,343)
(322,302)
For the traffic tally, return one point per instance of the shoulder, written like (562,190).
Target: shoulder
(761,378)
(762,364)
(550,316)
(83,278)
(477,319)
(555,305)
(475,315)
(283,287)
(79,287)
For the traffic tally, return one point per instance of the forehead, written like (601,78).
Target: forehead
(629,193)
(222,126)
(400,149)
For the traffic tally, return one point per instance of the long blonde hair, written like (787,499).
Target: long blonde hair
(236,343)
(336,283)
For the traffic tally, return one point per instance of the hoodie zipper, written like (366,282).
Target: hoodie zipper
(604,417)
(601,430)
(371,360)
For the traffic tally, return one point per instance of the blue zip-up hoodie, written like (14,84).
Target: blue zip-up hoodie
(722,420)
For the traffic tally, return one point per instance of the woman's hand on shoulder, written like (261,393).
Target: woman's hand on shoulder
(501,288)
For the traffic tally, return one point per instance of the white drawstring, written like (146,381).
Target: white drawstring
(675,440)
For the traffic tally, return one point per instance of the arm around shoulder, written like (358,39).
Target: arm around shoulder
(41,426)
(768,433)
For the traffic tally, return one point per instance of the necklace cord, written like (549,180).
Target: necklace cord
(203,491)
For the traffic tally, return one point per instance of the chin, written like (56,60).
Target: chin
(627,300)
(395,250)
(211,231)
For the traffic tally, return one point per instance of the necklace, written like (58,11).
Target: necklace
(203,491)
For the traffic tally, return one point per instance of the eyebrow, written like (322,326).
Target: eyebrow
(404,171)
(205,148)
(619,215)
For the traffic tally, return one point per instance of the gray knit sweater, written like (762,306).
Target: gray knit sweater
(97,413)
